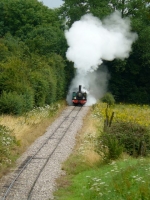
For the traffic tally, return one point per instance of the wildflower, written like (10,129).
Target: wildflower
(138,179)
(98,180)
(102,183)
(135,176)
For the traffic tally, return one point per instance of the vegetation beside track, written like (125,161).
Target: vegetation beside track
(18,132)
(90,176)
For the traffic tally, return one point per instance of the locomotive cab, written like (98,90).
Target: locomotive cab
(73,95)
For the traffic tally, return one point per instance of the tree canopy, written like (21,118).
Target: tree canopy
(129,78)
(32,51)
(33,65)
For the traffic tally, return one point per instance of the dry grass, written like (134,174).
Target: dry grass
(91,157)
(86,140)
(83,154)
(27,130)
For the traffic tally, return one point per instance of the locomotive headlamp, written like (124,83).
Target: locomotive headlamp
(74,97)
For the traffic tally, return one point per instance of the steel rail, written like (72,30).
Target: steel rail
(60,139)
(32,157)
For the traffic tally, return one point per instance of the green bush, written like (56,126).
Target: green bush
(133,137)
(28,100)
(11,102)
(40,87)
(109,147)
(51,94)
(108,98)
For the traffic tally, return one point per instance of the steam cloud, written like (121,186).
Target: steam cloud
(90,42)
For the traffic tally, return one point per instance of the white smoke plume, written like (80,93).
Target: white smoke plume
(91,41)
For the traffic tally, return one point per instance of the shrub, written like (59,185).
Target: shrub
(108,98)
(28,99)
(109,147)
(133,137)
(11,102)
(40,87)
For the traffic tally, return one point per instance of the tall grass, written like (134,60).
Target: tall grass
(17,133)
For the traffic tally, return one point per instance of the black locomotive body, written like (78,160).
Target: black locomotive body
(79,97)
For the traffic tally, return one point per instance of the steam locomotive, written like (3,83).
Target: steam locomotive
(79,98)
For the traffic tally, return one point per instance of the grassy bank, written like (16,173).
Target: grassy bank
(17,133)
(89,177)
(123,179)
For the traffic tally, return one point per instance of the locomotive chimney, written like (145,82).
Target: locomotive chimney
(79,88)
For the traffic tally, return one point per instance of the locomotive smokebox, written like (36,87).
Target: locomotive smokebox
(79,88)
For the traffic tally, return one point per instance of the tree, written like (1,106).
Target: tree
(32,44)
(128,78)
(46,40)
(20,17)
(73,10)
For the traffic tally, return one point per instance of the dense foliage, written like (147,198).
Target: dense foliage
(32,52)
(108,98)
(129,78)
(129,130)
(129,137)
(33,66)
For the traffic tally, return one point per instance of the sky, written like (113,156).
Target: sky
(52,3)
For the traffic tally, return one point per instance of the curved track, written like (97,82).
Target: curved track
(23,184)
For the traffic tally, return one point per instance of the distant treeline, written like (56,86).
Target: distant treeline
(129,80)
(33,66)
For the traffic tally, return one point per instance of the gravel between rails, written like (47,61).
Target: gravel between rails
(46,183)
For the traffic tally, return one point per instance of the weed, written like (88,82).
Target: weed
(7,145)
(108,98)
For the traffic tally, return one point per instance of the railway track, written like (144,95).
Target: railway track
(26,182)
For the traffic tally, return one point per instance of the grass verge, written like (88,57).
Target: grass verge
(18,133)
(88,177)
(127,179)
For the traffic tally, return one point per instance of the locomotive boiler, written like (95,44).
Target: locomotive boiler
(79,98)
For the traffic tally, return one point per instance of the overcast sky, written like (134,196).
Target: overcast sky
(52,3)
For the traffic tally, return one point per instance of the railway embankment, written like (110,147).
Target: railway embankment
(38,168)
(111,159)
